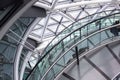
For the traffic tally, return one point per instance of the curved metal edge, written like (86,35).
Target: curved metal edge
(74,46)
(15,17)
(58,43)
(24,65)
(76,30)
(74,23)
(92,50)
(20,47)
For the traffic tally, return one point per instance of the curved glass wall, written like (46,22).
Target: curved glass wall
(9,45)
(27,22)
(74,26)
(98,63)
(47,67)
(25,52)
(84,45)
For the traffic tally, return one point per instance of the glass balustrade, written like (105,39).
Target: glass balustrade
(74,37)
(98,63)
(76,25)
(9,45)
(88,43)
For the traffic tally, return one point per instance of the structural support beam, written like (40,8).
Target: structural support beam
(33,36)
(24,65)
(45,6)
(91,42)
(68,76)
(81,3)
(20,47)
(45,27)
(77,56)
(100,10)
(54,3)
(71,4)
(115,3)
(113,54)
(38,4)
(66,16)
(98,69)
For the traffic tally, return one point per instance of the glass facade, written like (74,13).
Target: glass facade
(9,45)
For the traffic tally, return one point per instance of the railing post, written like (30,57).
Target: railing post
(77,56)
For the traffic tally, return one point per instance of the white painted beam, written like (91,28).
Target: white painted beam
(35,38)
(81,3)
(45,6)
(66,16)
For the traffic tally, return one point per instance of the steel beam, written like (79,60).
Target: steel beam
(97,68)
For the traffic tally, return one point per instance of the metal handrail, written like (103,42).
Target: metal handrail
(63,39)
(76,45)
(89,51)
(72,26)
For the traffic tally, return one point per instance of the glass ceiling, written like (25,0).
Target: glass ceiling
(62,13)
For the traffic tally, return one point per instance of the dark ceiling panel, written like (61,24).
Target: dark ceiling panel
(6,3)
(35,12)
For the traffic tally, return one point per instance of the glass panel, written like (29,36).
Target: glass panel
(36,74)
(95,39)
(69,56)
(82,48)
(50,75)
(79,24)
(19,29)
(57,68)
(8,46)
